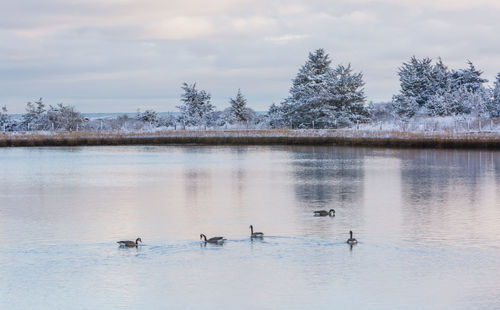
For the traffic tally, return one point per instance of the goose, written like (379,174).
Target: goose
(351,240)
(130,244)
(216,240)
(324,213)
(255,234)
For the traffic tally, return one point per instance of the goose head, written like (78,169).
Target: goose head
(138,240)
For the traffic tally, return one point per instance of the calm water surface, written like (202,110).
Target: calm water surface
(428,223)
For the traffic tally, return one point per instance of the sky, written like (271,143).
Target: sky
(121,55)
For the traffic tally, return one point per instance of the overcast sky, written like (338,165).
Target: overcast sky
(120,55)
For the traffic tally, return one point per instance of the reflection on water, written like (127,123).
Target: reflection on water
(426,221)
(331,176)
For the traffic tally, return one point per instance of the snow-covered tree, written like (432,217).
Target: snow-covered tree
(196,108)
(275,117)
(167,120)
(5,121)
(433,90)
(470,78)
(63,117)
(494,106)
(346,98)
(239,108)
(148,116)
(419,81)
(35,117)
(323,97)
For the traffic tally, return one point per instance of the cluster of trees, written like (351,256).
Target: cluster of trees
(39,117)
(197,110)
(321,96)
(432,89)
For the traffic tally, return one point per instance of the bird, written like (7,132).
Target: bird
(255,234)
(351,240)
(215,240)
(130,244)
(324,213)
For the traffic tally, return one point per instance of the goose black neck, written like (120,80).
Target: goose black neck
(350,232)
(251,229)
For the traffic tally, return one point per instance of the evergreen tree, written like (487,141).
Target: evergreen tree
(239,110)
(470,78)
(323,97)
(494,106)
(419,79)
(35,117)
(275,117)
(5,122)
(441,77)
(148,116)
(347,97)
(434,90)
(196,109)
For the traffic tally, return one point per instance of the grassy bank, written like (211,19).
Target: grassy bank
(477,140)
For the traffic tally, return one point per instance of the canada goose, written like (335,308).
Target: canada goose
(216,240)
(255,234)
(324,213)
(130,244)
(351,240)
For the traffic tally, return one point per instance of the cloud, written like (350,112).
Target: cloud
(127,53)
(286,38)
(180,28)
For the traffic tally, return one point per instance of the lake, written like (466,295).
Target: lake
(427,222)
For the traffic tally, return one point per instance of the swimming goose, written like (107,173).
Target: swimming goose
(255,234)
(351,240)
(216,240)
(130,244)
(324,213)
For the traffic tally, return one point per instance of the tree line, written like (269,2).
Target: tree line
(321,96)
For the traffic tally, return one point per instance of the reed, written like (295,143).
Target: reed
(259,137)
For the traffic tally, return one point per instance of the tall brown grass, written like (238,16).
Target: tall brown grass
(259,137)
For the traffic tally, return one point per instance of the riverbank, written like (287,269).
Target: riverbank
(470,140)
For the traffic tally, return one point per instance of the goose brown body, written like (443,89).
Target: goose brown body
(130,244)
(324,213)
(213,239)
(351,240)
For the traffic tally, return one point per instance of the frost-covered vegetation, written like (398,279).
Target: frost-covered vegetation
(322,97)
(432,98)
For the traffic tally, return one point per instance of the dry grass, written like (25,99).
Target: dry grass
(479,140)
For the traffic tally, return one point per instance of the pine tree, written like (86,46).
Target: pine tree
(494,106)
(418,85)
(470,78)
(434,90)
(239,110)
(5,122)
(35,117)
(196,109)
(275,117)
(323,97)
(347,97)
(148,116)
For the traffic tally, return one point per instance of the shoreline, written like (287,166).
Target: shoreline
(476,140)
